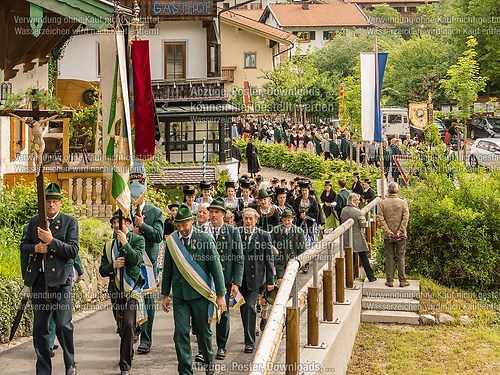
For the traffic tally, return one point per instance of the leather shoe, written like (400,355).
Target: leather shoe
(306,268)
(263,324)
(199,358)
(143,348)
(390,284)
(248,348)
(71,370)
(372,280)
(125,372)
(404,283)
(221,353)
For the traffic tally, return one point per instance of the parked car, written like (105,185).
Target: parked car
(485,127)
(485,152)
(419,132)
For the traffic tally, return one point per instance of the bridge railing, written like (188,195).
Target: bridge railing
(288,312)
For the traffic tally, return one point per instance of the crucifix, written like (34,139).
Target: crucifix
(33,119)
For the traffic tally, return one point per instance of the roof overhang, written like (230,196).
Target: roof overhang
(232,22)
(96,14)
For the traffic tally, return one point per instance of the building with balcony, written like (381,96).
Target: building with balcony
(185,56)
(316,23)
(24,57)
(249,47)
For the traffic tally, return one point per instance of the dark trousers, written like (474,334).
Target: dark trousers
(126,330)
(398,249)
(195,312)
(249,313)
(146,329)
(222,328)
(59,304)
(366,265)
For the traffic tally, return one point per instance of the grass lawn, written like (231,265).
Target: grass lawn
(421,350)
(472,348)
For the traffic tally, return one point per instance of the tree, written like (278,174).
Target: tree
(297,85)
(339,56)
(488,11)
(464,82)
(414,68)
(350,107)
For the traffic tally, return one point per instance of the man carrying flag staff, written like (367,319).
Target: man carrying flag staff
(192,267)
(148,223)
(124,254)
(229,247)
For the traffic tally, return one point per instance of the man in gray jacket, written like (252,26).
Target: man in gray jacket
(393,217)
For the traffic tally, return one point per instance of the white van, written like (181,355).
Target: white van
(395,121)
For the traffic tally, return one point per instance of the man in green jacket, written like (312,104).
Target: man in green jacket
(229,247)
(124,254)
(289,240)
(191,251)
(148,223)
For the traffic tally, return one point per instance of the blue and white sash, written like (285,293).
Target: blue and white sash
(194,274)
(131,289)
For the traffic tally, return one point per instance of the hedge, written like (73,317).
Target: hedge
(453,232)
(308,164)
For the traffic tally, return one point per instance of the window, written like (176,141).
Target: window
(175,60)
(184,139)
(250,60)
(400,9)
(328,35)
(394,119)
(213,58)
(411,9)
(312,35)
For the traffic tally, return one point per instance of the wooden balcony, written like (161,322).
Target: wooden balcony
(227,73)
(84,187)
(189,90)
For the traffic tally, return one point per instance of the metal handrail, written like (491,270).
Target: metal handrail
(271,337)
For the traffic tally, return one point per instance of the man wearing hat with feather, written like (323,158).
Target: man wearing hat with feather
(193,273)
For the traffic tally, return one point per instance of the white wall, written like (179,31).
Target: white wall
(37,77)
(80,56)
(80,59)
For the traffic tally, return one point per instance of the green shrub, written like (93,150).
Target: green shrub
(307,164)
(9,303)
(220,188)
(453,234)
(93,234)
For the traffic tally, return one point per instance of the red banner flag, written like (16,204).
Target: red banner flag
(143,101)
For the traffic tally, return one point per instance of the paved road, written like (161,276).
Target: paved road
(97,348)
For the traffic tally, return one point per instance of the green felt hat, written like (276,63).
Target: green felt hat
(183,214)
(262,194)
(53,192)
(175,203)
(287,213)
(218,204)
(116,215)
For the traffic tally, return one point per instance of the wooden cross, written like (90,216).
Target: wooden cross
(33,119)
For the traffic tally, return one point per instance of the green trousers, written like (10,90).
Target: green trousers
(195,312)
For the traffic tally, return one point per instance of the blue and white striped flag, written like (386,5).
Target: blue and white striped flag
(147,271)
(371,117)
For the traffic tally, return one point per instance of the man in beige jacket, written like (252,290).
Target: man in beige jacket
(393,217)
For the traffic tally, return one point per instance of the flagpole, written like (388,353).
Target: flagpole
(377,100)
